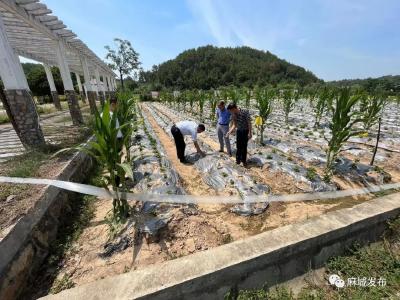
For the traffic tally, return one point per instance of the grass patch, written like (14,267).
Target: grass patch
(4,118)
(379,260)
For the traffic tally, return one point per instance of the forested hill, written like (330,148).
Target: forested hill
(210,67)
(389,83)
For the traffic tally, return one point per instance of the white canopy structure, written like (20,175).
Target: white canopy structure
(28,29)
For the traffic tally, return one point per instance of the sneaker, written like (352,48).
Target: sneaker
(230,154)
(220,150)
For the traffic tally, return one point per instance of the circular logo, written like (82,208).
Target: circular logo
(339,283)
(332,279)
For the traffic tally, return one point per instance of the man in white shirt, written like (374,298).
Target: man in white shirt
(179,130)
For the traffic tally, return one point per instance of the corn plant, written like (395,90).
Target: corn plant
(371,108)
(126,115)
(213,104)
(106,149)
(290,98)
(191,96)
(344,118)
(322,104)
(234,94)
(247,95)
(264,98)
(223,93)
(202,98)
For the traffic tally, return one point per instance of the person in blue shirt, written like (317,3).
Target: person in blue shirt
(223,117)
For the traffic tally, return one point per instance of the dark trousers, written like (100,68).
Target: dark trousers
(179,143)
(242,137)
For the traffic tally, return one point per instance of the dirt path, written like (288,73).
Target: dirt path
(191,178)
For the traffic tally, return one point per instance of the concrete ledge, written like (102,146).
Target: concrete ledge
(23,250)
(271,257)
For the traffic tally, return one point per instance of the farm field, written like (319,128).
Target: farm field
(291,160)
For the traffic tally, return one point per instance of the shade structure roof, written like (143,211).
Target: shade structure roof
(34,32)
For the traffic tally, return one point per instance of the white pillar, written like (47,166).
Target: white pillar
(11,71)
(53,90)
(64,68)
(22,74)
(50,78)
(97,74)
(69,91)
(86,75)
(114,83)
(18,101)
(109,84)
(78,80)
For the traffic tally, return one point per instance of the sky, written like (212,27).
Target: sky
(335,39)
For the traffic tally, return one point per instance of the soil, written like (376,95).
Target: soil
(195,228)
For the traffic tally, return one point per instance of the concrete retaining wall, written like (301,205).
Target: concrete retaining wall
(271,257)
(23,250)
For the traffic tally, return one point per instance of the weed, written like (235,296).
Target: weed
(311,174)
(62,284)
(227,238)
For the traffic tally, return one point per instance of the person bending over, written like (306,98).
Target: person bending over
(179,130)
(242,123)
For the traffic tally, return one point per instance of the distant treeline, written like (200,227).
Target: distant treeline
(388,84)
(212,67)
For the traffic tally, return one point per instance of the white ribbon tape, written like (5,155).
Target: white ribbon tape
(186,199)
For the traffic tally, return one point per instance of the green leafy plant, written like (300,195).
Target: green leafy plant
(371,108)
(290,97)
(264,98)
(106,149)
(247,94)
(126,115)
(322,104)
(202,98)
(344,118)
(213,105)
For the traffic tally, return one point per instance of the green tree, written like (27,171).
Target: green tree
(124,59)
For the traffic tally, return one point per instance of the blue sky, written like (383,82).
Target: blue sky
(335,39)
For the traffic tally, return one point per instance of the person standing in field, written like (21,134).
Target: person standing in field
(242,123)
(179,130)
(223,119)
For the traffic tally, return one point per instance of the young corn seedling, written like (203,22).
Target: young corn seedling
(322,104)
(234,95)
(126,115)
(290,98)
(213,104)
(202,98)
(264,98)
(106,150)
(344,118)
(247,94)
(371,108)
